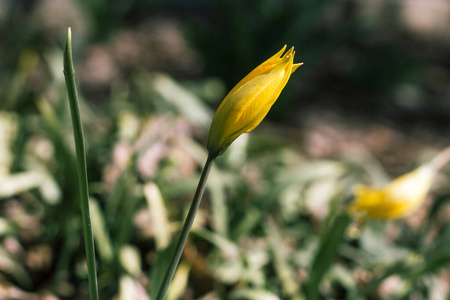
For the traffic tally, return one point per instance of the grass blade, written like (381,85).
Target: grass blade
(81,166)
(326,253)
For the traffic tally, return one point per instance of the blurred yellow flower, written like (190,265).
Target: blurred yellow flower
(250,100)
(398,199)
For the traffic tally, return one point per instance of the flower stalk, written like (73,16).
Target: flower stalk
(185,230)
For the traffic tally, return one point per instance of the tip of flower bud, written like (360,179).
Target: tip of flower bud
(295,67)
(277,55)
(288,53)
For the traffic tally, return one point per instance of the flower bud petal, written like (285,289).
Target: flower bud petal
(398,199)
(250,100)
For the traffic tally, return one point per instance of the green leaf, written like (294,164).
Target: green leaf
(183,100)
(130,260)
(10,266)
(101,234)
(158,213)
(283,268)
(159,268)
(326,253)
(248,294)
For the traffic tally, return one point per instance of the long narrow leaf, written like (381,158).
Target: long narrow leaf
(81,166)
(326,253)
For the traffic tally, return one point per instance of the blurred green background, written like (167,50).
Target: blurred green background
(370,103)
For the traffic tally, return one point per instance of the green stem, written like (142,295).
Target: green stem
(185,230)
(81,166)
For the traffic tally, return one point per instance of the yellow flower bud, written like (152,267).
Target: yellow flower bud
(398,199)
(250,100)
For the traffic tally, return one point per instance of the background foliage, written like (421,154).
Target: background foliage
(370,103)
